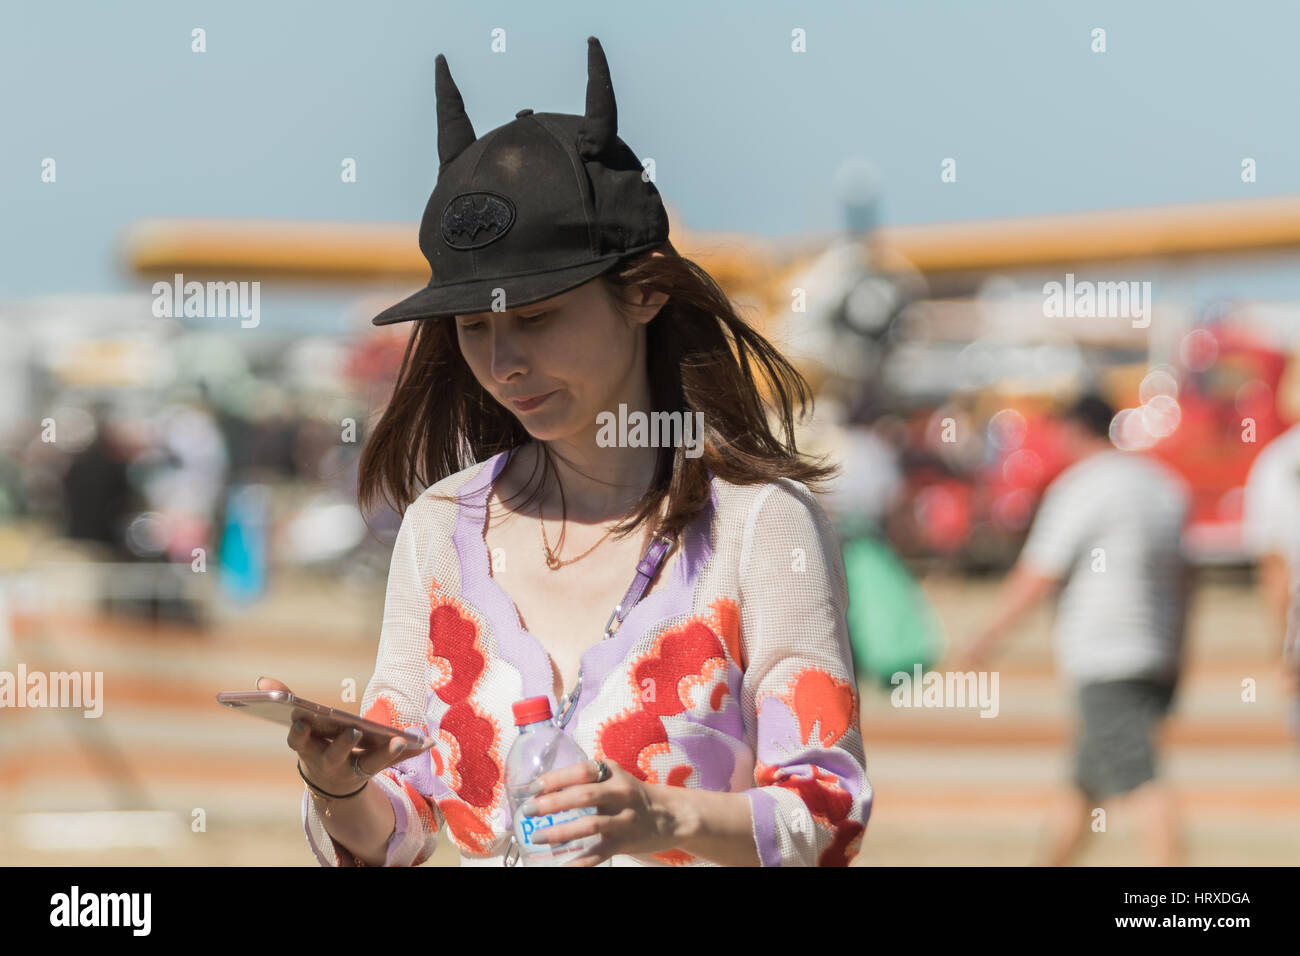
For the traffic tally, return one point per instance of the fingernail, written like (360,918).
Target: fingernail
(536,786)
(528,808)
(257,684)
(354,734)
(299,726)
(401,745)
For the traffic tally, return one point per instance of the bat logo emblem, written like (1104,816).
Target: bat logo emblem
(476,219)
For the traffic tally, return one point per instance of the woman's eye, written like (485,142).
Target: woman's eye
(529,319)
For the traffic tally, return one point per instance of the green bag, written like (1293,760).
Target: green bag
(892,626)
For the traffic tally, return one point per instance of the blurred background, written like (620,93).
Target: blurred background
(885,190)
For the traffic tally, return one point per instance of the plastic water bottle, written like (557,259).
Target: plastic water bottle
(540,748)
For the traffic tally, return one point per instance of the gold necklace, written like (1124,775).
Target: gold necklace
(552,561)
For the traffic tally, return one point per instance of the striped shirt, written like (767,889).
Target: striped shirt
(1111,526)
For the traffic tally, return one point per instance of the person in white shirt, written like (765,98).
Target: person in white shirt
(1109,529)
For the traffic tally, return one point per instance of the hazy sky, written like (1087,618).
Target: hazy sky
(745,133)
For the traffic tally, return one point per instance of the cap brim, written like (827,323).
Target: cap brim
(478,296)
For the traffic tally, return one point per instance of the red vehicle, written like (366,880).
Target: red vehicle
(1212,415)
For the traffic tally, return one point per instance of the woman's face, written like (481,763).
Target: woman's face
(575,355)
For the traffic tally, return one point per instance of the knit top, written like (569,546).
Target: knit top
(749,632)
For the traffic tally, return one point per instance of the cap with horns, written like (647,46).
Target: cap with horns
(532,208)
(600,122)
(455,132)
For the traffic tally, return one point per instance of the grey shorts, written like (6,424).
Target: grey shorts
(1118,721)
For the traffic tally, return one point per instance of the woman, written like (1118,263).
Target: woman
(718,701)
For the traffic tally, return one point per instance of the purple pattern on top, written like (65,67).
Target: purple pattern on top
(482,590)
(711,756)
(306,828)
(402,821)
(779,746)
(439,789)
(675,598)
(523,649)
(417,771)
(729,719)
(401,818)
(763,807)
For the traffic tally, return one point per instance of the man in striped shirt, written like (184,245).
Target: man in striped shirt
(1109,530)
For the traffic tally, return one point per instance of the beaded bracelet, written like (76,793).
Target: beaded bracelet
(315,789)
(324,793)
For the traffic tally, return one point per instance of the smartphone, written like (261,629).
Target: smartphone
(327,722)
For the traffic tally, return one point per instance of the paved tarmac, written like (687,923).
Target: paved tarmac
(952,788)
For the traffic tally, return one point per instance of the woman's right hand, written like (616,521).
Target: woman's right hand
(326,763)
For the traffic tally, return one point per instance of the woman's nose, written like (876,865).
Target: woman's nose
(507,358)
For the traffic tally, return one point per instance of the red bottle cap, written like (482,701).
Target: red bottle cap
(531,709)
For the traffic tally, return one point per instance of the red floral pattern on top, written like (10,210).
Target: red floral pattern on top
(471,735)
(825,708)
(691,655)
(383,711)
(473,673)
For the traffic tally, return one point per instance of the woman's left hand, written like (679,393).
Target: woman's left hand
(631,816)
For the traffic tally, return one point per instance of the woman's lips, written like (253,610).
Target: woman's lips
(532,402)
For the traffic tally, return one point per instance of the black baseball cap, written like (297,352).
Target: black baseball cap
(531,209)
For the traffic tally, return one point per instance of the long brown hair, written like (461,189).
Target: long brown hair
(701,356)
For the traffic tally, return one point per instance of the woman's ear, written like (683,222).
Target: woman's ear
(650,305)
(637,314)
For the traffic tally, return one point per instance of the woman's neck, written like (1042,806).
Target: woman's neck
(600,484)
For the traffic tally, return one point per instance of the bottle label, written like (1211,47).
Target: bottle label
(529,825)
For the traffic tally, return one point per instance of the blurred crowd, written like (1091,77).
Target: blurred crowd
(234,477)
(1107,482)
(1110,511)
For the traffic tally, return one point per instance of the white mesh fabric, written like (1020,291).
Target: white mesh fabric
(774,561)
(794,637)
(402,676)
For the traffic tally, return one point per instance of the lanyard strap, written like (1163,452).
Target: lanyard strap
(646,570)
